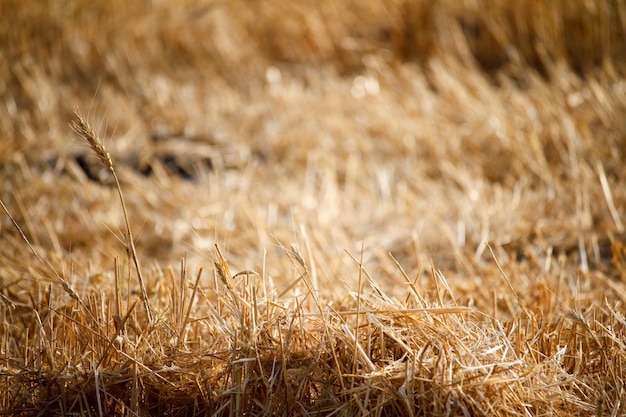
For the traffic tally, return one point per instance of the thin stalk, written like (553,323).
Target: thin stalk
(85,132)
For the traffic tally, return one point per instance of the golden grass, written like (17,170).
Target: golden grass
(341,208)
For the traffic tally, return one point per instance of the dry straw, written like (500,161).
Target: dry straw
(476,148)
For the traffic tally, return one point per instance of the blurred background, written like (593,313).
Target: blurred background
(418,128)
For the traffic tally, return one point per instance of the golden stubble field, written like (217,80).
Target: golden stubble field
(336,208)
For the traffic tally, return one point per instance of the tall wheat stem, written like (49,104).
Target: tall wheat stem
(85,132)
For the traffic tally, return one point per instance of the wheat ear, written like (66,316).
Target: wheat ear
(85,132)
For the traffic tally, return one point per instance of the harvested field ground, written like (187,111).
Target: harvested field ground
(338,208)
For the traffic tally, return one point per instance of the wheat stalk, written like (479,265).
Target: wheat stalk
(85,132)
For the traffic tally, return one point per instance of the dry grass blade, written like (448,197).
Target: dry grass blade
(43,261)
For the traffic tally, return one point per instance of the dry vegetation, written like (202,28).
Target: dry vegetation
(313,208)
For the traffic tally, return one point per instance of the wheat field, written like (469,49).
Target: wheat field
(346,208)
